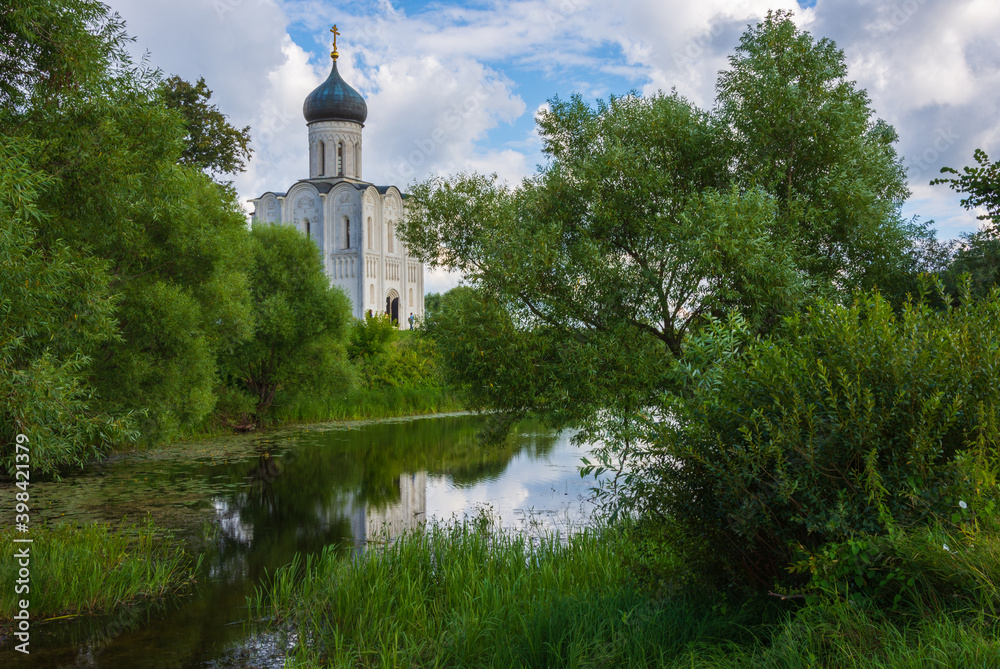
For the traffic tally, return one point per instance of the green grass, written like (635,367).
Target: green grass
(364,403)
(843,635)
(93,568)
(469,595)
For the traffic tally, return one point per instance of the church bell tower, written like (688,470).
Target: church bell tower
(335,114)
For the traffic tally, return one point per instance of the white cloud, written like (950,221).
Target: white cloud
(441,80)
(427,115)
(278,128)
(440,281)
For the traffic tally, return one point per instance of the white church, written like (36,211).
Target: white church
(352,221)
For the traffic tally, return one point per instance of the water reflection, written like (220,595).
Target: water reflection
(248,504)
(372,524)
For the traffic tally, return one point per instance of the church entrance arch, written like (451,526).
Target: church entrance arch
(392,305)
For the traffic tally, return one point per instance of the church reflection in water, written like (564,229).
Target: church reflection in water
(371,523)
(365,521)
(248,505)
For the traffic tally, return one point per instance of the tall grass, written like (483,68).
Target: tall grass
(469,595)
(364,403)
(93,568)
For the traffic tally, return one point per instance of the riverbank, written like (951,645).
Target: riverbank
(91,569)
(372,403)
(469,595)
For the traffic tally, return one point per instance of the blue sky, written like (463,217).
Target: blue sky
(931,68)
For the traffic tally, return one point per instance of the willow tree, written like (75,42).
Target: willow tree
(300,324)
(799,129)
(652,218)
(168,241)
(591,274)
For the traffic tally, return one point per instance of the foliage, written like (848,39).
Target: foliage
(849,635)
(371,337)
(473,596)
(854,422)
(653,217)
(588,277)
(48,47)
(802,132)
(387,357)
(362,403)
(300,321)
(169,242)
(432,304)
(981,184)
(469,595)
(55,311)
(951,563)
(211,143)
(978,254)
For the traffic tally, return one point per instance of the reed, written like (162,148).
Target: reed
(470,595)
(368,403)
(94,568)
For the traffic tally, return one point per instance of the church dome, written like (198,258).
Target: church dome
(334,100)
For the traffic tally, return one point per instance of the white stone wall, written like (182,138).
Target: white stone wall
(330,134)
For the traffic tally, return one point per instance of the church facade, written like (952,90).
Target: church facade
(351,220)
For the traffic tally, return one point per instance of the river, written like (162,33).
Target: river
(249,503)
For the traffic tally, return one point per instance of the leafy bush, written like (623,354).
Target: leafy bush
(56,312)
(386,357)
(940,567)
(855,422)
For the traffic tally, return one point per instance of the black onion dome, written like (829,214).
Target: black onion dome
(334,100)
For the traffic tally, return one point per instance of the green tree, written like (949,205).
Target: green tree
(981,184)
(652,216)
(172,241)
(804,133)
(301,322)
(211,143)
(978,253)
(432,303)
(49,47)
(55,311)
(626,240)
(175,245)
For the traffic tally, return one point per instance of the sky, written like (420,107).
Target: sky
(455,85)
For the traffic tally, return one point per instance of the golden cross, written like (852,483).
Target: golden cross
(334,54)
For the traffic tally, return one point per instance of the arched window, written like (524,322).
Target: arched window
(340,159)
(305,225)
(347,233)
(357,161)
(369,232)
(322,158)
(388,230)
(371,293)
(411,297)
